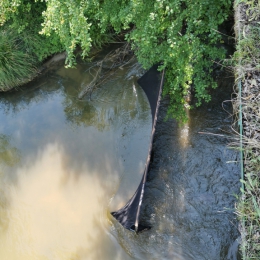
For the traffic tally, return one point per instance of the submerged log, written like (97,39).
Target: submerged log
(89,88)
(113,61)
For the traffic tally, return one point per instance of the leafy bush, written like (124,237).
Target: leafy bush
(24,18)
(181,35)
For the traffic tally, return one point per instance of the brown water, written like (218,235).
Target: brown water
(68,159)
(66,163)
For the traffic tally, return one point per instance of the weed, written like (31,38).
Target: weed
(17,64)
(247,59)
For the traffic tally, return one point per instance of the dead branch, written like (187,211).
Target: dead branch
(107,67)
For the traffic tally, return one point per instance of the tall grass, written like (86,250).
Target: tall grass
(17,63)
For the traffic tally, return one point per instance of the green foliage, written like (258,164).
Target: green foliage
(71,21)
(17,66)
(247,53)
(248,208)
(24,18)
(181,35)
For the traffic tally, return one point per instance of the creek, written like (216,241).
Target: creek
(66,163)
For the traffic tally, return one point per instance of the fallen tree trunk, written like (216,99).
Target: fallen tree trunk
(89,88)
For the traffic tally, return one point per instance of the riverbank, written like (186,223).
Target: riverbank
(247,59)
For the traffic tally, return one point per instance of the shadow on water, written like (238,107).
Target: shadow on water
(74,158)
(82,159)
(191,187)
(116,107)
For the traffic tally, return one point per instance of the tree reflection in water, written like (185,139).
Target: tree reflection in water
(92,144)
(9,155)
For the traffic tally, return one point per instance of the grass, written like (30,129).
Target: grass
(17,64)
(247,59)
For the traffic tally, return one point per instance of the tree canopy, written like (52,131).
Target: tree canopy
(180,35)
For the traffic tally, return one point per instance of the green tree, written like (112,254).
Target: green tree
(181,35)
(24,18)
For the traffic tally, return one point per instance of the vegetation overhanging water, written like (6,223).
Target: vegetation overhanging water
(30,45)
(50,166)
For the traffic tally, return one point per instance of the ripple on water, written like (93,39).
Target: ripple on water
(189,197)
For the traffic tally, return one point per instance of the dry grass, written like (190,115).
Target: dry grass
(247,58)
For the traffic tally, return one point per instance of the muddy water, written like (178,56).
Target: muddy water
(62,162)
(66,163)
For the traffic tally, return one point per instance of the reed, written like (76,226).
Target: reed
(17,63)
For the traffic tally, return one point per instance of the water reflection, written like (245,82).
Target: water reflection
(53,215)
(76,157)
(9,155)
(184,131)
(82,159)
